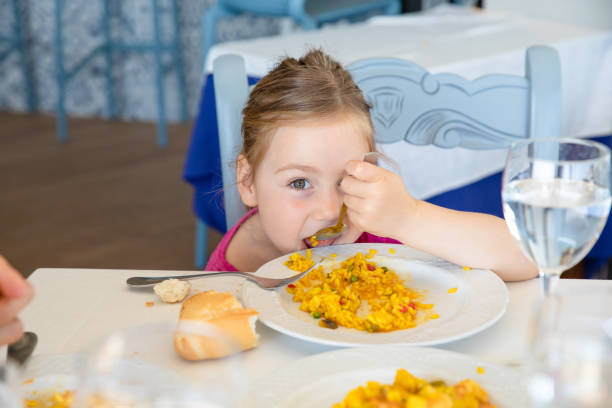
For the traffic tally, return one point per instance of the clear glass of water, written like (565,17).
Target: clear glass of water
(570,358)
(138,367)
(556,200)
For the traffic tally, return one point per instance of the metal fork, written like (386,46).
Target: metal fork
(264,283)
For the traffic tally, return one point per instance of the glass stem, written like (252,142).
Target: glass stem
(549,282)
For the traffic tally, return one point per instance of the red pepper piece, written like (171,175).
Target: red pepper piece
(371,267)
(412,305)
(404,309)
(291,285)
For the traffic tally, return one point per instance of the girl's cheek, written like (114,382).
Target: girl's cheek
(298,205)
(288,207)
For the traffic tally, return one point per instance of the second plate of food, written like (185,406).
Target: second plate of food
(465,301)
(387,376)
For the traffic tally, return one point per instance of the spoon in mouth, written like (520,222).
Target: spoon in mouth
(334,231)
(330,232)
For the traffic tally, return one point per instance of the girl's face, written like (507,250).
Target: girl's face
(297,184)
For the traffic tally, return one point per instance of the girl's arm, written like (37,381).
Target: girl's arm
(465,238)
(378,202)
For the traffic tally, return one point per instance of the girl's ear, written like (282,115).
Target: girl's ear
(245,182)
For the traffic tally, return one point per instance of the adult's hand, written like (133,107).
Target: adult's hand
(15,294)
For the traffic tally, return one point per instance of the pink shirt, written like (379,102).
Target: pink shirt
(218,261)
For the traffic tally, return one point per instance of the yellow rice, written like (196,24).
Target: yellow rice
(358,294)
(297,262)
(408,391)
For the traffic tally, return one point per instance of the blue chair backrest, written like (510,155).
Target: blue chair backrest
(231,93)
(317,10)
(267,7)
(421,108)
(449,111)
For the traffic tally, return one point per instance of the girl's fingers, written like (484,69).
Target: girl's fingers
(355,187)
(354,203)
(11,332)
(355,218)
(364,171)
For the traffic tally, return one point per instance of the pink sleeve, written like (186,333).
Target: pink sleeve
(368,238)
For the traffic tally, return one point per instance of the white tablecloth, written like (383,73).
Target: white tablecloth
(75,308)
(468,43)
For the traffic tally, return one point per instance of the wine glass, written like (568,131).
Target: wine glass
(556,199)
(570,358)
(138,366)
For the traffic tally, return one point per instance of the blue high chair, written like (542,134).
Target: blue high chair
(413,105)
(16,42)
(106,49)
(309,14)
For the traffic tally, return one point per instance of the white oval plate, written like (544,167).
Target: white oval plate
(324,379)
(480,300)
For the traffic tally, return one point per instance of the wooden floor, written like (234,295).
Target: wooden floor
(109,198)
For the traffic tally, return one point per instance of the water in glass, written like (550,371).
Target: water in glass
(556,200)
(556,222)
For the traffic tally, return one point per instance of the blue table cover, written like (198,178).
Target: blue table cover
(203,170)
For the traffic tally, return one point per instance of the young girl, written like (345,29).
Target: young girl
(306,129)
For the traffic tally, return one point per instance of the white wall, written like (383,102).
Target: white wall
(592,13)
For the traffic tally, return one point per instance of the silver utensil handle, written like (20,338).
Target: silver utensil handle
(152,280)
(373,157)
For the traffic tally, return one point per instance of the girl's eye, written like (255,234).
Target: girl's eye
(299,184)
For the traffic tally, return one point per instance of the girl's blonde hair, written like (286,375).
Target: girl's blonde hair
(312,87)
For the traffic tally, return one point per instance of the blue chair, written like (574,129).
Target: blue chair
(16,42)
(228,74)
(411,104)
(446,110)
(106,49)
(309,14)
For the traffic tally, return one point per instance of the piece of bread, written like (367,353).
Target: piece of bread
(172,290)
(228,328)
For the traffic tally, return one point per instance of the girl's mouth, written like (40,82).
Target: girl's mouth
(315,244)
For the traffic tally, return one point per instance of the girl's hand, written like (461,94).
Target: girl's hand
(376,199)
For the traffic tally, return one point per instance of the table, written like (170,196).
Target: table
(446,39)
(73,308)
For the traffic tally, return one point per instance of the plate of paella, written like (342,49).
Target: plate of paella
(390,376)
(363,294)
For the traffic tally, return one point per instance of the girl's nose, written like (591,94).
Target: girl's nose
(328,206)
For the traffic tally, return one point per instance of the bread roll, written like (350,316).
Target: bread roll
(225,316)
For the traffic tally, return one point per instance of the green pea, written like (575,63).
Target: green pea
(384,268)
(354,278)
(316,315)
